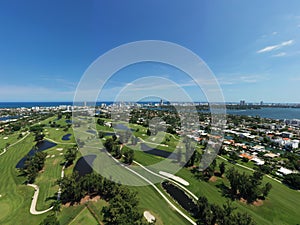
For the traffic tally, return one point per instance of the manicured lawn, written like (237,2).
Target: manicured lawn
(146,159)
(68,214)
(84,218)
(56,134)
(96,208)
(47,179)
(4,139)
(16,197)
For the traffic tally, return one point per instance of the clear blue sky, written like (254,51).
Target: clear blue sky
(253,47)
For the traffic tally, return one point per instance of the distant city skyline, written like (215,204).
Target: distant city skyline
(252,47)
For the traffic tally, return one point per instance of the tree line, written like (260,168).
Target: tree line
(211,214)
(246,186)
(112,145)
(33,165)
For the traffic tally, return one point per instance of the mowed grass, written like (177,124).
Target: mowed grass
(96,208)
(48,177)
(84,218)
(15,197)
(68,214)
(10,139)
(56,134)
(146,159)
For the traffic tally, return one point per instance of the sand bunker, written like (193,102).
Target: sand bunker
(176,178)
(149,217)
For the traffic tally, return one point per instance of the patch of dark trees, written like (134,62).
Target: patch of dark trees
(292,180)
(112,145)
(211,214)
(244,186)
(33,165)
(123,208)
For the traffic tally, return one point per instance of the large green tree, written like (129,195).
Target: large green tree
(70,155)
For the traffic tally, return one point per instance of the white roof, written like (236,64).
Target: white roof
(285,171)
(258,161)
(271,155)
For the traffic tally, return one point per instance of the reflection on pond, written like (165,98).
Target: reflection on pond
(154,151)
(181,197)
(91,131)
(40,146)
(69,121)
(120,126)
(83,165)
(66,137)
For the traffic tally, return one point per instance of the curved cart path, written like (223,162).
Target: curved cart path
(36,195)
(34,201)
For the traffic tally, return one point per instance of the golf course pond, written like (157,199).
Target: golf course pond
(66,137)
(181,197)
(83,165)
(120,126)
(40,146)
(69,121)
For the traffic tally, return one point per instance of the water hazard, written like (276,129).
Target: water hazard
(66,137)
(83,165)
(40,146)
(181,197)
